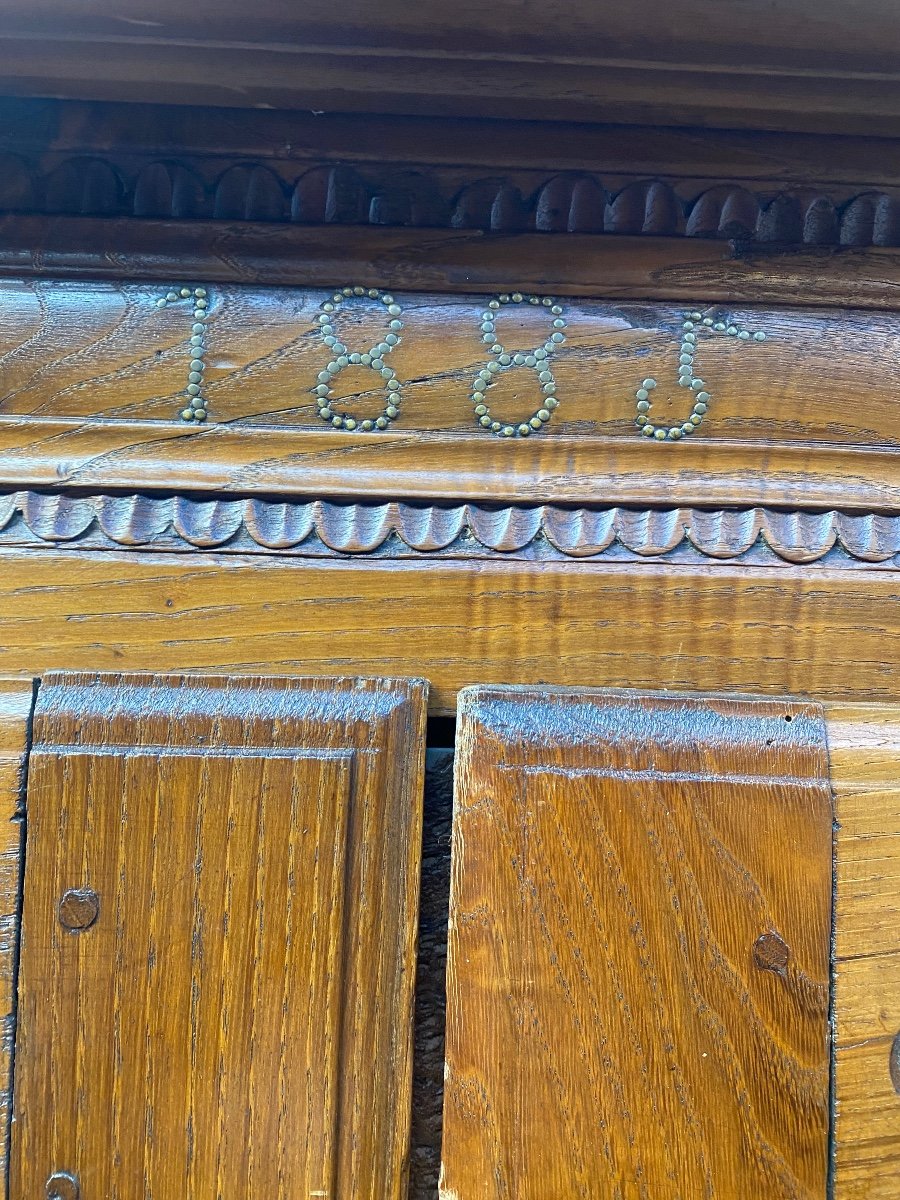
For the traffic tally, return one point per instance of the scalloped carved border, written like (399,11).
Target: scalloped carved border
(425,196)
(398,529)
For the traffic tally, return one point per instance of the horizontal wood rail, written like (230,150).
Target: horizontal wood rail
(449,260)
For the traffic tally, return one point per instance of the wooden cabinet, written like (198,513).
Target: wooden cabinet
(531,439)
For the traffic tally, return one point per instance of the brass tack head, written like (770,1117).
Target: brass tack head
(78,909)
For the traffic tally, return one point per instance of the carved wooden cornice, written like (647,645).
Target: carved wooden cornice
(426,196)
(159,162)
(806,65)
(320,528)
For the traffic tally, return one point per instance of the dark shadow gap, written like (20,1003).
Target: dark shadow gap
(428,1056)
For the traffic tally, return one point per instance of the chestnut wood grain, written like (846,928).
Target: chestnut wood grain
(638,957)
(237,1017)
(827,633)
(93,380)
(16,697)
(97,454)
(864,747)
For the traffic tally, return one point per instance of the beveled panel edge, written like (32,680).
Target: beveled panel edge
(274,706)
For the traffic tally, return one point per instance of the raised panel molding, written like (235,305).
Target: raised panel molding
(218,938)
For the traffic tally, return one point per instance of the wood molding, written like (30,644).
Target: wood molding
(98,455)
(817,65)
(150,163)
(449,260)
(131,139)
(397,529)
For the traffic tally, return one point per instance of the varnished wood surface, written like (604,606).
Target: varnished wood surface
(237,1019)
(809,65)
(826,633)
(97,454)
(15,713)
(93,380)
(804,34)
(450,260)
(637,973)
(864,746)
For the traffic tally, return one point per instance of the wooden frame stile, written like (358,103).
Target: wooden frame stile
(16,701)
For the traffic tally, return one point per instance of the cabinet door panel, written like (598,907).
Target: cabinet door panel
(638,962)
(218,938)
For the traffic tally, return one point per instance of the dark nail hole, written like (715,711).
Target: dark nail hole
(788,717)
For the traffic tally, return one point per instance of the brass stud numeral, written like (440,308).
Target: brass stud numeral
(196,408)
(694,324)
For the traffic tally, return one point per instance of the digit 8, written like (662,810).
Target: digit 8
(373,358)
(537,360)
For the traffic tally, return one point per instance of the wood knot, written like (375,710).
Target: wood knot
(771,952)
(63,1186)
(78,909)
